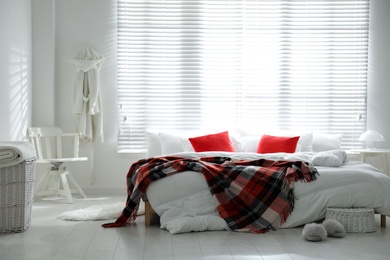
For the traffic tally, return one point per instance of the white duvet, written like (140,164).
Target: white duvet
(184,203)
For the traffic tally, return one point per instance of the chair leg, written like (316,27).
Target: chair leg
(74,182)
(39,183)
(65,185)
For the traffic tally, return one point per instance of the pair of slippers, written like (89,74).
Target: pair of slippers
(314,232)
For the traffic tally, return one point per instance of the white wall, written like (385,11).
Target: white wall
(378,105)
(15,69)
(43,43)
(73,22)
(378,93)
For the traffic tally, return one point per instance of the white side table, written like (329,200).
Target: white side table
(379,153)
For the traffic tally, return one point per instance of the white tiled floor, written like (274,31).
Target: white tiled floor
(52,238)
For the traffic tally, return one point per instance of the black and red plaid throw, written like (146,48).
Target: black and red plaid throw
(254,195)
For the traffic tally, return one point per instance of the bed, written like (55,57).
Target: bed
(184,202)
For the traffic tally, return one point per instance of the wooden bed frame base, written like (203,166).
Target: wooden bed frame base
(149,211)
(383,220)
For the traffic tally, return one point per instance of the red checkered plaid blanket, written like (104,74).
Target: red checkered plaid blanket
(254,195)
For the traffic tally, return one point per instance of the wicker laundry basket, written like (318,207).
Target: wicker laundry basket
(16,194)
(353,219)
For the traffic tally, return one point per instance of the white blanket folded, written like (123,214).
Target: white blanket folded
(14,152)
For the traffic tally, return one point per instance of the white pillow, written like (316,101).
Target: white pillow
(187,146)
(235,139)
(153,144)
(305,142)
(171,143)
(326,142)
(250,143)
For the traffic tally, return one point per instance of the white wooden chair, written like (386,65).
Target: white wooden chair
(48,142)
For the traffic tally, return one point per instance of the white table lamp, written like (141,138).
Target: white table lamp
(371,137)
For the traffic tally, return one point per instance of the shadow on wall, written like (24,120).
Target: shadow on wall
(18,94)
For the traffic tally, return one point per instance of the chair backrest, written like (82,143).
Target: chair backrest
(48,142)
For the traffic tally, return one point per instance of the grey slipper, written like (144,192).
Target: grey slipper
(314,232)
(334,228)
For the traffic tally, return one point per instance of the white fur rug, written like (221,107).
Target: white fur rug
(98,212)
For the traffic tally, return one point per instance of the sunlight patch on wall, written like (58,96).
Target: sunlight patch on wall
(18,93)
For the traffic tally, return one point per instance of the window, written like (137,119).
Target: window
(195,64)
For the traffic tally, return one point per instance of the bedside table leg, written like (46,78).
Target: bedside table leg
(362,157)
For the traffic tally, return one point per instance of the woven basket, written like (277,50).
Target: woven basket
(16,194)
(353,219)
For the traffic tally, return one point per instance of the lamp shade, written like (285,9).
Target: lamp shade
(371,136)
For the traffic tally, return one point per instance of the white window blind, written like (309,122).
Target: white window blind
(195,64)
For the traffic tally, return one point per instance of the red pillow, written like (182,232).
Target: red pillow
(212,142)
(277,144)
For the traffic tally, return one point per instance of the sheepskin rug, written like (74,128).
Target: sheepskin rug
(98,212)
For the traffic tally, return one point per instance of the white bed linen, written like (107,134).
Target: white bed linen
(184,203)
